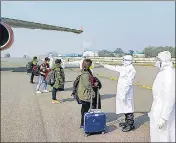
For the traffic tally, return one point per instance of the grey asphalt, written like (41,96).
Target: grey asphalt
(27,117)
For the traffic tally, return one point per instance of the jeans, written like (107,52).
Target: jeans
(54,91)
(41,80)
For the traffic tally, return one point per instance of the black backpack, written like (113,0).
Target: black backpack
(50,78)
(75,89)
(29,67)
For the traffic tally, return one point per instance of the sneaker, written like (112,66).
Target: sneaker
(45,91)
(38,92)
(122,124)
(128,128)
(55,101)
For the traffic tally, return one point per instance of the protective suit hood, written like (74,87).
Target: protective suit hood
(163,106)
(127,60)
(164,60)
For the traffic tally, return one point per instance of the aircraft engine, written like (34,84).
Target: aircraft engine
(6,36)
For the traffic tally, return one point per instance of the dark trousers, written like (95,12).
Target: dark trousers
(32,77)
(129,118)
(85,108)
(54,91)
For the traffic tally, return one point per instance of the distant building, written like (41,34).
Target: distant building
(138,54)
(90,53)
(72,55)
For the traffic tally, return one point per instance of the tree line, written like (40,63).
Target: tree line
(149,52)
(152,51)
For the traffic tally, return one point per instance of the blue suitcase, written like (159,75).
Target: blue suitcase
(94,120)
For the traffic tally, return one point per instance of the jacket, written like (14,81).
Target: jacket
(59,76)
(85,90)
(44,69)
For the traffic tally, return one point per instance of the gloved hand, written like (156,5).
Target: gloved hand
(161,123)
(123,99)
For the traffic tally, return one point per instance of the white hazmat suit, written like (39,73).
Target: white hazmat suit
(124,96)
(51,60)
(63,64)
(162,114)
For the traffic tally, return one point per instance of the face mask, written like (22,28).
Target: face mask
(123,62)
(158,64)
(126,62)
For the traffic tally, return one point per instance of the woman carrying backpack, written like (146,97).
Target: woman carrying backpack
(59,80)
(44,68)
(87,88)
(33,63)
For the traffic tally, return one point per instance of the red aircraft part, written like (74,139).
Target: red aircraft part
(7,36)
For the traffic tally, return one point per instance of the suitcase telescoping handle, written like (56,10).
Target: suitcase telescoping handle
(91,101)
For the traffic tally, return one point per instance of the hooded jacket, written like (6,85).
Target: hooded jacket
(59,76)
(85,90)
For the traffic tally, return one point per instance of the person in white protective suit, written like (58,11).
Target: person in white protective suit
(124,96)
(162,114)
(51,60)
(81,62)
(63,64)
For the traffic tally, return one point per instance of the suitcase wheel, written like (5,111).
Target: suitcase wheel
(86,135)
(103,132)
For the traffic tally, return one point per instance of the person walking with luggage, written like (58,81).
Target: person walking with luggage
(33,63)
(43,71)
(162,114)
(85,90)
(59,80)
(124,96)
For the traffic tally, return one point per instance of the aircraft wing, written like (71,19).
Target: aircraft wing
(32,25)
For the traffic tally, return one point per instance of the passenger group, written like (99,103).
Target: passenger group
(86,87)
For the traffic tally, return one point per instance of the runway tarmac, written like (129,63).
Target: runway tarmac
(27,117)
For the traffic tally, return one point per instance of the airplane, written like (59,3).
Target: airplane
(7,34)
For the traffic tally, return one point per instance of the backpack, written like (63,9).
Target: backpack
(50,78)
(36,70)
(75,87)
(29,67)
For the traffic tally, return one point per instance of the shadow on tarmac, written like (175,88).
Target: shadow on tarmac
(14,69)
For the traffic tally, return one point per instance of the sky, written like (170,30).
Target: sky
(107,25)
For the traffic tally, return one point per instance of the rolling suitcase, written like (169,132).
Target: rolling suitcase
(94,119)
